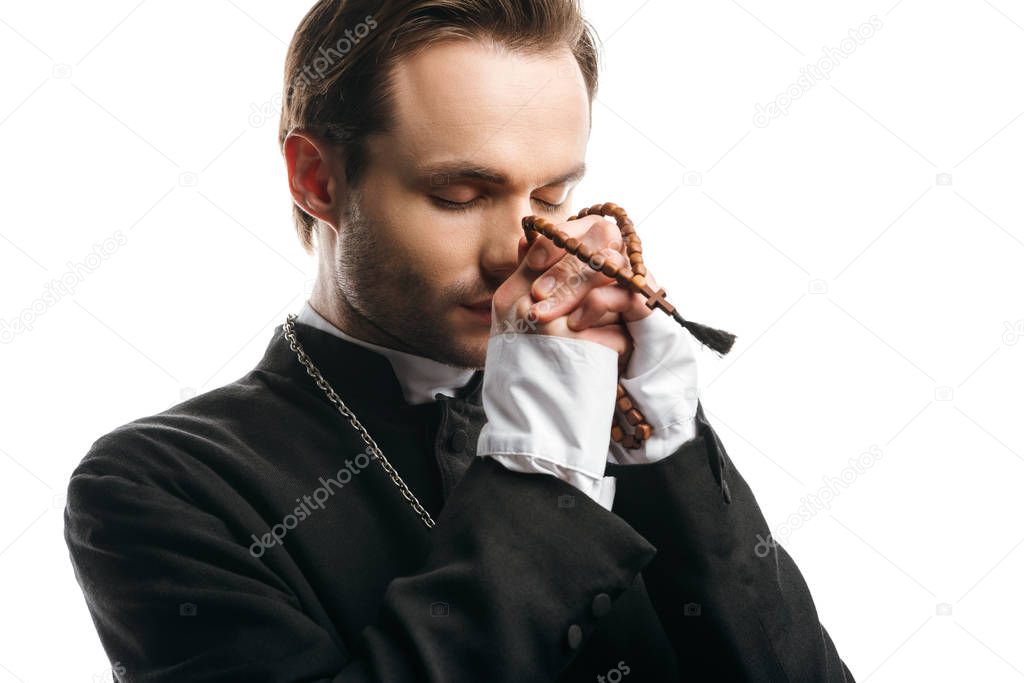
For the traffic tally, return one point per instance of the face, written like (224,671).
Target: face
(482,138)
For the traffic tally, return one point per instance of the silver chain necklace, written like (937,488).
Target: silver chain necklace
(311,369)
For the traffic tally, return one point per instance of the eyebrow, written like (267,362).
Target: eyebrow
(466,170)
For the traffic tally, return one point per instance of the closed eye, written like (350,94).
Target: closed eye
(465,206)
(455,206)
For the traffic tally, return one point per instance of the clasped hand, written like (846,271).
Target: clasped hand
(555,293)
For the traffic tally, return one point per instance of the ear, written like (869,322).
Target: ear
(312,176)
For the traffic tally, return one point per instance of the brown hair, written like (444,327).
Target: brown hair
(338,64)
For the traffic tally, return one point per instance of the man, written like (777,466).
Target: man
(416,482)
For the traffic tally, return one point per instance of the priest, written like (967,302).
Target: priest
(416,481)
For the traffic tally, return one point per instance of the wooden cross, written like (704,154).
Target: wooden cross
(657,298)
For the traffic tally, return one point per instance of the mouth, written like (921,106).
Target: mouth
(480,310)
(484,304)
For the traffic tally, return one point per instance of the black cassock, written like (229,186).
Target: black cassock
(220,540)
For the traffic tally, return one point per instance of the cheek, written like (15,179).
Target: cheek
(420,261)
(432,247)
(423,247)
(434,243)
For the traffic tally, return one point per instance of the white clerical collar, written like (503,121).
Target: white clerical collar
(421,378)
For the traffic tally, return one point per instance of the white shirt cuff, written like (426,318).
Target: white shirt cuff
(549,403)
(661,378)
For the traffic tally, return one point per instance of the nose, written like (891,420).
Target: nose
(500,251)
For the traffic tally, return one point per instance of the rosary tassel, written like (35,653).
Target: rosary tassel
(718,341)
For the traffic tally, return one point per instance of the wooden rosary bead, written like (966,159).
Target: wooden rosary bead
(630,441)
(617,433)
(641,429)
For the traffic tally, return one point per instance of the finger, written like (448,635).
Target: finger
(597,235)
(563,286)
(599,305)
(515,287)
(606,318)
(543,254)
(611,303)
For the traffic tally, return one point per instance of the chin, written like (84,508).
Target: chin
(467,345)
(473,349)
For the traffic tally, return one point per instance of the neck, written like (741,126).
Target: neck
(421,378)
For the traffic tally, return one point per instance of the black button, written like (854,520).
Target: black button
(602,604)
(458,440)
(575,636)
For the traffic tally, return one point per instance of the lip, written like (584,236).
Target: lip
(484,305)
(481,311)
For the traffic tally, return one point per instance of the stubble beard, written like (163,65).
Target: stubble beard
(389,300)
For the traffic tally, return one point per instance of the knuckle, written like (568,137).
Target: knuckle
(578,226)
(597,299)
(606,258)
(605,233)
(571,266)
(611,234)
(568,275)
(615,256)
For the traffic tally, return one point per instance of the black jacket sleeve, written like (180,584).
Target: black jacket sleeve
(732,600)
(175,594)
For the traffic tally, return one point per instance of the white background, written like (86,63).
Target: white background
(866,247)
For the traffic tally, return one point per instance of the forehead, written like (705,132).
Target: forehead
(526,114)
